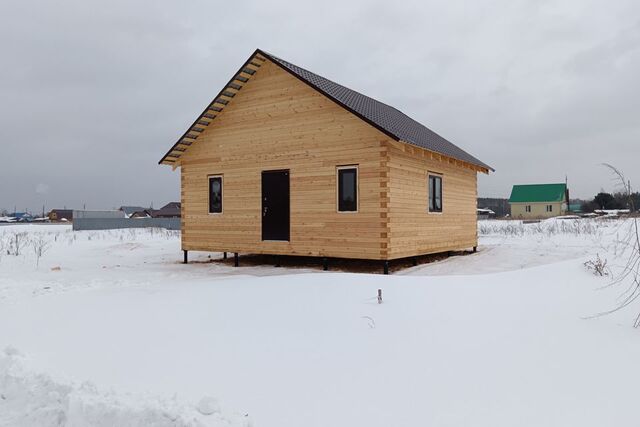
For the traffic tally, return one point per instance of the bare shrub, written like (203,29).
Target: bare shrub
(515,228)
(17,242)
(40,246)
(598,266)
(2,246)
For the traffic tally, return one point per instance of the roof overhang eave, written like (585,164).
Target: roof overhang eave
(478,164)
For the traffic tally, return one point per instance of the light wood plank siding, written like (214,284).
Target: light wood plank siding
(277,122)
(413,230)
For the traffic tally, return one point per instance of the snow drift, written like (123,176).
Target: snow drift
(33,399)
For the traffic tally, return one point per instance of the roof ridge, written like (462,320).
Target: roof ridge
(334,82)
(346,87)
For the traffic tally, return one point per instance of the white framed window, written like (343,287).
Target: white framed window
(215,194)
(434,192)
(347,191)
(527,208)
(549,208)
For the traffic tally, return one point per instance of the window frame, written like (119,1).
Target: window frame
(209,178)
(441,177)
(357,188)
(550,208)
(527,208)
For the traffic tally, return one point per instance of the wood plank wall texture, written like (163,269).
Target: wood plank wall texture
(277,122)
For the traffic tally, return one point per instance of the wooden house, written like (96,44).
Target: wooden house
(286,162)
(537,201)
(56,215)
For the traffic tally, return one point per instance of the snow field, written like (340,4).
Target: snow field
(498,338)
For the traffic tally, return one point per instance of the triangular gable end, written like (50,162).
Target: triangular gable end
(215,108)
(386,119)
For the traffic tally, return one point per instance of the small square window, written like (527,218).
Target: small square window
(435,193)
(348,189)
(215,194)
(527,208)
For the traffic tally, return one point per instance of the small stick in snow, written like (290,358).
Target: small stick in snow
(370,321)
(379,296)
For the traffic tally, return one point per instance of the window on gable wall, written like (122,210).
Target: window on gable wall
(347,189)
(215,194)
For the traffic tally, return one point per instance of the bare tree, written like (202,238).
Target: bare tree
(630,275)
(624,183)
(40,246)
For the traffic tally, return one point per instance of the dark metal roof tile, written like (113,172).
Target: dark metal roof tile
(386,118)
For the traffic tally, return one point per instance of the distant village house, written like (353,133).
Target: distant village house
(537,201)
(21,216)
(170,210)
(60,215)
(485,213)
(130,210)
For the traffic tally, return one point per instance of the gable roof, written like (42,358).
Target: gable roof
(385,118)
(128,210)
(143,213)
(171,209)
(535,193)
(172,205)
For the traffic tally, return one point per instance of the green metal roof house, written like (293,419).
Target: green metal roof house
(538,200)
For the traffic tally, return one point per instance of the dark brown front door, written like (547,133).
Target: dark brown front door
(275,205)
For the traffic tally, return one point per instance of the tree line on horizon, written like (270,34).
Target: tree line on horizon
(607,201)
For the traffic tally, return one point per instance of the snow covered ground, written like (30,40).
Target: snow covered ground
(108,328)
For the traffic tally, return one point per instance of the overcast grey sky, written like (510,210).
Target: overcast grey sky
(92,94)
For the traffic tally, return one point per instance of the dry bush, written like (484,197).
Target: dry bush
(40,245)
(598,266)
(17,242)
(2,245)
(515,228)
